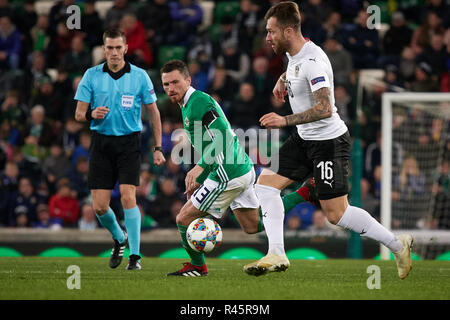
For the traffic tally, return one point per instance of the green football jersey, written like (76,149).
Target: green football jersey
(210,133)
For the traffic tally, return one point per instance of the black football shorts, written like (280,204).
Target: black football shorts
(326,160)
(112,159)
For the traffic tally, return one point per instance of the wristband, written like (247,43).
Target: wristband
(88,115)
(157,148)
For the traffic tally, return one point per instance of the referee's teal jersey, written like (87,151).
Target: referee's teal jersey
(123,93)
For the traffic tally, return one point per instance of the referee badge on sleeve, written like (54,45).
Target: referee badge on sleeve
(127,102)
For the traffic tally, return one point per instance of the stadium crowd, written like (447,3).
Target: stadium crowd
(44,151)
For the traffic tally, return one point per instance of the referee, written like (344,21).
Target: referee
(110,96)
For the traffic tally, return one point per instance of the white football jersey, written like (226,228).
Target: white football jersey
(307,71)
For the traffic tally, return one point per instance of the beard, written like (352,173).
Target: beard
(281,46)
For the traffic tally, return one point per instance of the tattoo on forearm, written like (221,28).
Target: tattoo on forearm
(321,110)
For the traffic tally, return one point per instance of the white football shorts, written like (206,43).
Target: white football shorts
(215,197)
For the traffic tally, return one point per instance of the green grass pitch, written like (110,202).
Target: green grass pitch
(46,278)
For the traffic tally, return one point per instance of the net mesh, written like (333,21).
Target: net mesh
(420,171)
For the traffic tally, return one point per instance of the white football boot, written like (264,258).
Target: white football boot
(269,263)
(403,257)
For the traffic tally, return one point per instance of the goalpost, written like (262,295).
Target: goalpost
(415,143)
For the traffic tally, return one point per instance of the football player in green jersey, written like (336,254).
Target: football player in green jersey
(224,176)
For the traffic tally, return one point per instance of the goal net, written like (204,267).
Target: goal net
(415,191)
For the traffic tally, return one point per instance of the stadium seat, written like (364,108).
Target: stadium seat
(444,256)
(226,8)
(166,53)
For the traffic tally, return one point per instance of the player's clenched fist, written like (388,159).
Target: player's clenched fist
(279,91)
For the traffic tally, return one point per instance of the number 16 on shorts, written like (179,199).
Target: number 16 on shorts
(326,172)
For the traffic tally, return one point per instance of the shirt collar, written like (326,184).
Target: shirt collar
(187,95)
(299,54)
(118,74)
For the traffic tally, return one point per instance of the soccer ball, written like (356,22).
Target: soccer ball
(204,234)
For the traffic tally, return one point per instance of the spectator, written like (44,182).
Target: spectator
(25,18)
(10,177)
(187,15)
(6,8)
(44,219)
(40,127)
(441,8)
(320,223)
(165,199)
(58,14)
(33,75)
(361,42)
(245,111)
(139,52)
(276,62)
(343,102)
(116,12)
(262,81)
(24,201)
(40,34)
(59,44)
(155,16)
(51,100)
(10,44)
(368,200)
(147,222)
(422,35)
(226,32)
(435,55)
(91,25)
(236,63)
(300,217)
(55,165)
(88,220)
(71,136)
(424,80)
(224,86)
(199,79)
(341,61)
(12,110)
(332,25)
(395,40)
(64,205)
(407,64)
(82,150)
(78,176)
(77,60)
(247,25)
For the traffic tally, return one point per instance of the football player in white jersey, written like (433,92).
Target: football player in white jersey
(320,147)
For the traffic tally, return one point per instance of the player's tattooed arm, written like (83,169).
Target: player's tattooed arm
(321,110)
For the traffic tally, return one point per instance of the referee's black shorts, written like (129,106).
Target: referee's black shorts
(113,158)
(327,160)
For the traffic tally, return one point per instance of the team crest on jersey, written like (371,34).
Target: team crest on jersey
(186,121)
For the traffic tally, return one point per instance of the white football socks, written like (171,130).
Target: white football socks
(362,222)
(273,217)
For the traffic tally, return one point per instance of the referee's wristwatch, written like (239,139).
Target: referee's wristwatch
(158,148)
